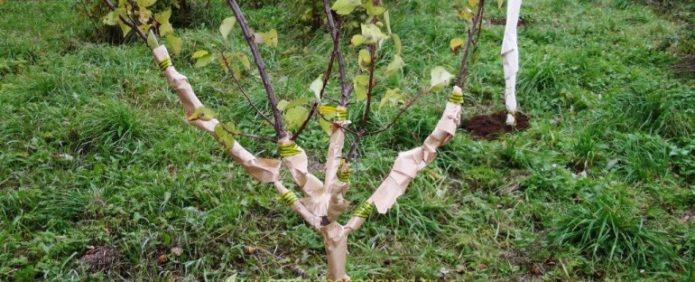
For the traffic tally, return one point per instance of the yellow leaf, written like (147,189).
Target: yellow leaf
(165,27)
(395,65)
(110,19)
(146,3)
(500,3)
(174,43)
(373,10)
(396,43)
(466,14)
(199,54)
(473,3)
(361,83)
(440,78)
(270,38)
(282,105)
(456,44)
(201,113)
(387,20)
(316,87)
(392,97)
(364,59)
(357,40)
(345,7)
(295,117)
(124,27)
(372,33)
(227,26)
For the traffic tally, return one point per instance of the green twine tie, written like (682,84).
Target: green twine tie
(289,197)
(289,150)
(339,112)
(364,210)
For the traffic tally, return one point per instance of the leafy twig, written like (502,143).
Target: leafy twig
(128,22)
(241,89)
(278,124)
(471,42)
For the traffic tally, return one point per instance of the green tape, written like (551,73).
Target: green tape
(340,113)
(289,150)
(364,210)
(164,64)
(456,98)
(289,197)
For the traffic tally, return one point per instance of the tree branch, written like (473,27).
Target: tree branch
(241,89)
(471,43)
(128,22)
(335,35)
(278,124)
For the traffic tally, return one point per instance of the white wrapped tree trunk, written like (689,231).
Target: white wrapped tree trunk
(510,59)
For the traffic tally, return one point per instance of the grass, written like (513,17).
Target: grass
(601,187)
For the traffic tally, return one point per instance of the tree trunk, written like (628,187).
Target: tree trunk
(335,240)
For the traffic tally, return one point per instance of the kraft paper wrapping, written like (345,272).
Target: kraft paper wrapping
(333,185)
(335,239)
(264,170)
(409,163)
(315,197)
(510,58)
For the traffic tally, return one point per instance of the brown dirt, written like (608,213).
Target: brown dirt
(100,258)
(491,126)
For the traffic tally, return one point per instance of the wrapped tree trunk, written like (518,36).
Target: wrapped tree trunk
(510,59)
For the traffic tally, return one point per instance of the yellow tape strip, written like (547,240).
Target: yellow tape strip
(289,197)
(456,98)
(344,176)
(289,149)
(341,113)
(364,210)
(164,64)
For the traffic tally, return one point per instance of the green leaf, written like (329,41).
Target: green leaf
(395,65)
(269,37)
(392,97)
(387,20)
(357,40)
(295,117)
(361,84)
(455,44)
(110,19)
(316,87)
(372,33)
(500,3)
(125,29)
(152,40)
(440,78)
(202,58)
(396,43)
(174,43)
(146,3)
(165,27)
(364,59)
(199,54)
(345,7)
(282,105)
(373,10)
(473,3)
(326,126)
(227,26)
(201,113)
(224,133)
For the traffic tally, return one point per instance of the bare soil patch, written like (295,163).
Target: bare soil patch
(491,126)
